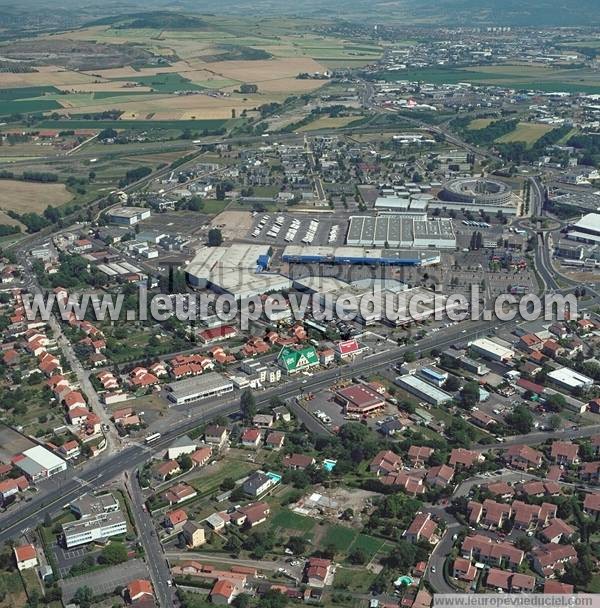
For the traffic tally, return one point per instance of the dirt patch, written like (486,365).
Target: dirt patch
(12,443)
(233,224)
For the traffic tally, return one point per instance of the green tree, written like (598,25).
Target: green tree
(248,404)
(114,553)
(358,557)
(215,237)
(520,419)
(83,596)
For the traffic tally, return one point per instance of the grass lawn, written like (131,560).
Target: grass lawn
(208,484)
(214,207)
(292,521)
(594,586)
(526,132)
(370,545)
(11,587)
(356,581)
(480,123)
(339,537)
(329,123)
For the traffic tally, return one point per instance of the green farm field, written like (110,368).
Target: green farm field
(534,77)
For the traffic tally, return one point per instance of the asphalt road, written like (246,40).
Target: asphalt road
(155,558)
(51,498)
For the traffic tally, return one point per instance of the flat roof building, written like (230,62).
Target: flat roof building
(569,379)
(395,230)
(96,527)
(492,350)
(197,388)
(423,390)
(433,375)
(39,463)
(90,505)
(587,229)
(239,270)
(366,256)
(127,216)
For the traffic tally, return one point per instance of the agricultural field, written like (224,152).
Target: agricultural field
(25,197)
(180,74)
(536,77)
(327,122)
(480,123)
(526,132)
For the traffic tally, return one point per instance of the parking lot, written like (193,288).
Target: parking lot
(67,558)
(107,580)
(288,229)
(323,402)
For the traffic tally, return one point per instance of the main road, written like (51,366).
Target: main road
(56,492)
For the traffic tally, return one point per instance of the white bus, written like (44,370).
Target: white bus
(152,437)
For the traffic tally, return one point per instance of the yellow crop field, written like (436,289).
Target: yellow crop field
(526,132)
(24,197)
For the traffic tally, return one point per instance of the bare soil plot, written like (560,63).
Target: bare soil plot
(236,224)
(12,443)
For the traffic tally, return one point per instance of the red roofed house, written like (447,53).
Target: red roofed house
(512,582)
(552,348)
(74,399)
(459,457)
(491,552)
(216,334)
(138,589)
(419,455)
(70,449)
(532,387)
(359,399)
(464,570)
(251,438)
(551,558)
(201,456)
(501,489)
(252,514)
(179,493)
(223,592)
(348,349)
(167,469)
(78,415)
(423,527)
(590,472)
(557,531)
(26,557)
(175,520)
(565,452)
(558,587)
(298,461)
(385,462)
(318,572)
(275,440)
(440,476)
(591,505)
(529,342)
(523,457)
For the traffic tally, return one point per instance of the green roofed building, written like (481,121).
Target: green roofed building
(297,360)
